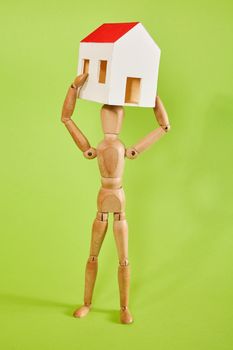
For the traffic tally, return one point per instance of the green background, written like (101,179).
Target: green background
(179,204)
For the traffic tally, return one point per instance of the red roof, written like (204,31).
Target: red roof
(109,32)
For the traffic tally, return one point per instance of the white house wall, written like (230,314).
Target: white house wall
(135,55)
(92,89)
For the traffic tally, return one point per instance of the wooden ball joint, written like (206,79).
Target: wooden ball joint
(110,154)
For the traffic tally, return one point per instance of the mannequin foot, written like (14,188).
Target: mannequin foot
(125,316)
(82,311)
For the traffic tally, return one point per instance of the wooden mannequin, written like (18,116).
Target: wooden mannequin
(111,155)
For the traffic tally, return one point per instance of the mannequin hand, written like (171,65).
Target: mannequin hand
(70,100)
(79,81)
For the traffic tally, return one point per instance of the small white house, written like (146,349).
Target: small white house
(122,61)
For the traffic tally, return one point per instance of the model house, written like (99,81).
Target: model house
(122,62)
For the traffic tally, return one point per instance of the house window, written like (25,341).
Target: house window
(103,72)
(86,66)
(132,91)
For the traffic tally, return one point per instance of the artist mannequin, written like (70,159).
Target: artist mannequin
(111,155)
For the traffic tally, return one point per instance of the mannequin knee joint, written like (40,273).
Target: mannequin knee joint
(119,216)
(102,216)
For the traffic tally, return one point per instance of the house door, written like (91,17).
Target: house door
(132,90)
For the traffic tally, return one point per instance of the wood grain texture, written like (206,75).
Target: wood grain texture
(69,104)
(120,229)
(111,157)
(147,141)
(111,182)
(124,283)
(161,114)
(77,135)
(90,278)
(67,111)
(71,96)
(155,135)
(99,229)
(111,118)
(111,200)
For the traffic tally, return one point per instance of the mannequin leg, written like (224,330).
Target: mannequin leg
(120,228)
(99,230)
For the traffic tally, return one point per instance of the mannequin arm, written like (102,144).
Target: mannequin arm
(155,135)
(67,111)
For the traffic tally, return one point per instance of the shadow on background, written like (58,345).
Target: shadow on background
(27,302)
